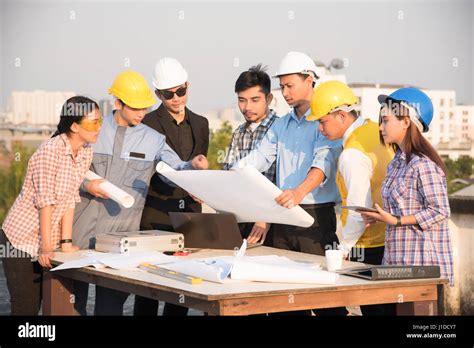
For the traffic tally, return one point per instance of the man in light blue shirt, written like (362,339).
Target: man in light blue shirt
(305,164)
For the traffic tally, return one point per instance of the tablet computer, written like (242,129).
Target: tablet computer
(359,209)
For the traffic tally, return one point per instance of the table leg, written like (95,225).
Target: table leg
(418,308)
(57,295)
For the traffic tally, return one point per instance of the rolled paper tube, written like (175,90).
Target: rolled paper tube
(115,193)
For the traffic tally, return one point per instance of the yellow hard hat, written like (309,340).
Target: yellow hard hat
(328,96)
(132,88)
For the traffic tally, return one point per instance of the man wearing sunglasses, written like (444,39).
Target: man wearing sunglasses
(188,135)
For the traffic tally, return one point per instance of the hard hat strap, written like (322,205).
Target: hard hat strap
(310,73)
(414,116)
(345,107)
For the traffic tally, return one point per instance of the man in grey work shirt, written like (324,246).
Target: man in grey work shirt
(125,154)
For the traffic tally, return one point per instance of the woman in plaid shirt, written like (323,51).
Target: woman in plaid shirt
(41,218)
(416,207)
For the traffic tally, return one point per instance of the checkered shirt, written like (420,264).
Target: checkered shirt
(52,179)
(245,140)
(418,188)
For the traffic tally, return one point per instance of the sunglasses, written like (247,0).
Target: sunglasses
(170,94)
(91,125)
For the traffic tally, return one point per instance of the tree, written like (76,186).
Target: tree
(459,169)
(219,145)
(465,166)
(452,168)
(11,178)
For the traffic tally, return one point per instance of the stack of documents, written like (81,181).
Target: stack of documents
(269,268)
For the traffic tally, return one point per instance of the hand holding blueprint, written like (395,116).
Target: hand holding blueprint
(246,193)
(115,193)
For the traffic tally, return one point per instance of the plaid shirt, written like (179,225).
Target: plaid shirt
(52,179)
(245,140)
(418,188)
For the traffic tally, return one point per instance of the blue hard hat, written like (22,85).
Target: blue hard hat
(416,99)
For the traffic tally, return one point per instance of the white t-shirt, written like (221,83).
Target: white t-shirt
(253,126)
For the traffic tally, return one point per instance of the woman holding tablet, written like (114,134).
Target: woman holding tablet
(416,208)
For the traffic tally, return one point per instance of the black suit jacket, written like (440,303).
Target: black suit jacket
(163,198)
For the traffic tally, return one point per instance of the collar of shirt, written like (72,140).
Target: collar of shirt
(356,124)
(110,124)
(173,120)
(264,123)
(252,126)
(295,117)
(111,121)
(68,149)
(400,158)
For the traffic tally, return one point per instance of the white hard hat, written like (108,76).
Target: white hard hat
(169,73)
(296,63)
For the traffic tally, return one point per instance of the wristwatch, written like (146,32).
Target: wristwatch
(399,221)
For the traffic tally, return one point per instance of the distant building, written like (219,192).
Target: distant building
(29,136)
(36,107)
(465,130)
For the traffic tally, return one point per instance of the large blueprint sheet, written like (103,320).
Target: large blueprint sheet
(246,193)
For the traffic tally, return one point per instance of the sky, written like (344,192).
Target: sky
(81,46)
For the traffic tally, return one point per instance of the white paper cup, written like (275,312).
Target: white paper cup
(334,260)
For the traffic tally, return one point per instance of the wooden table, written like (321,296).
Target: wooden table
(413,297)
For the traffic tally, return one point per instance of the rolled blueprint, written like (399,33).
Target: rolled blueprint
(115,193)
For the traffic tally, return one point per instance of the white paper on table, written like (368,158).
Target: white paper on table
(90,261)
(131,261)
(275,260)
(290,272)
(128,261)
(87,258)
(252,268)
(213,269)
(268,268)
(246,193)
(242,250)
(115,193)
